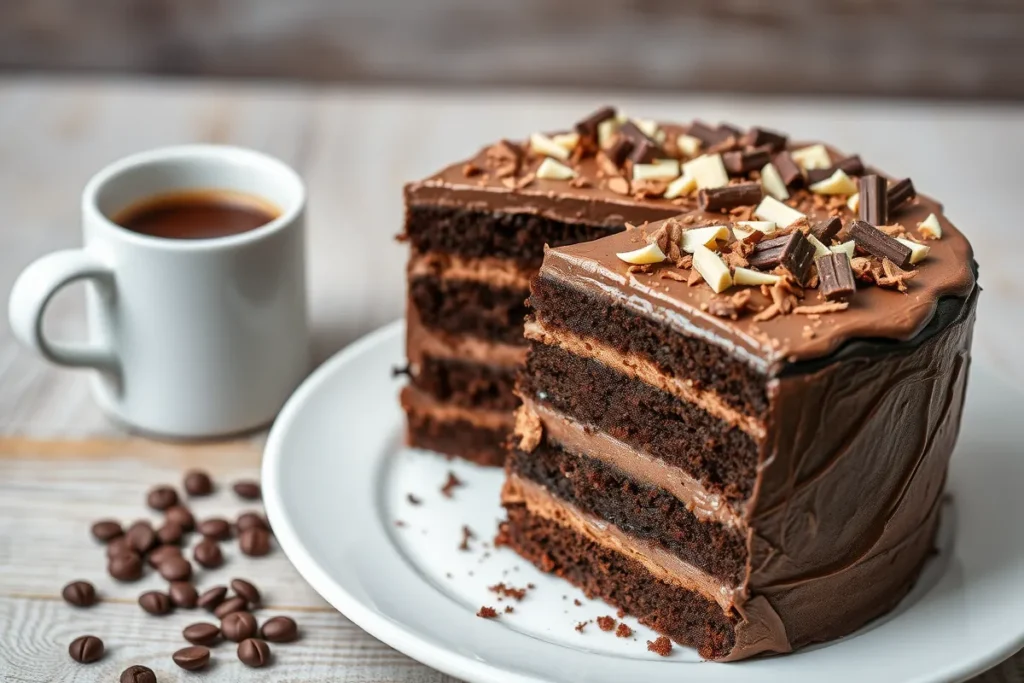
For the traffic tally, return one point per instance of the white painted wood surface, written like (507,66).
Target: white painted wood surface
(62,465)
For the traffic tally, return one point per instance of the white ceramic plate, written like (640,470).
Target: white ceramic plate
(336,481)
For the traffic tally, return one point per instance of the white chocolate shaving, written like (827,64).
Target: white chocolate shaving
(650,129)
(819,248)
(766,227)
(771,181)
(853,203)
(554,170)
(688,145)
(606,132)
(684,184)
(651,253)
(567,141)
(930,227)
(837,183)
(746,276)
(918,252)
(813,157)
(844,248)
(708,171)
(704,237)
(712,268)
(542,144)
(659,169)
(771,209)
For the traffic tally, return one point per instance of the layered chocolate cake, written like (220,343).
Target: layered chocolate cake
(737,422)
(477,231)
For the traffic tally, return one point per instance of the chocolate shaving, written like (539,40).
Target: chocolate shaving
(894,276)
(741,163)
(620,149)
(837,283)
(900,193)
(827,229)
(875,242)
(874,203)
(761,137)
(643,149)
(851,166)
(788,169)
(587,128)
(821,308)
(673,275)
(729,197)
(504,157)
(793,251)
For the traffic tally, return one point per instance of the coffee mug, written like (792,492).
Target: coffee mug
(189,338)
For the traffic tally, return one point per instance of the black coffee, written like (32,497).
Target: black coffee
(197,214)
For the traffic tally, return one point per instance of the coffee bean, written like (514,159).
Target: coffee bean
(254,542)
(198,483)
(253,652)
(156,603)
(175,569)
(208,554)
(215,528)
(161,497)
(280,630)
(170,533)
(201,633)
(86,649)
(249,520)
(229,606)
(238,626)
(106,530)
(126,567)
(183,594)
(192,658)
(141,536)
(247,489)
(246,590)
(79,594)
(212,597)
(162,553)
(119,546)
(136,673)
(182,516)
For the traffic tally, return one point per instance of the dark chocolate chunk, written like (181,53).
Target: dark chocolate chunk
(793,251)
(708,135)
(254,542)
(742,163)
(235,604)
(201,633)
(836,277)
(156,603)
(119,546)
(183,594)
(646,151)
(587,128)
(247,489)
(79,594)
(788,169)
(212,597)
(874,204)
(247,520)
(253,652)
(192,658)
(161,497)
(279,630)
(125,567)
(758,137)
(827,229)
(901,192)
(175,568)
(247,591)
(106,530)
(141,536)
(619,151)
(198,483)
(208,554)
(216,528)
(136,673)
(851,166)
(170,533)
(86,649)
(161,554)
(875,242)
(731,130)
(182,516)
(729,197)
(238,626)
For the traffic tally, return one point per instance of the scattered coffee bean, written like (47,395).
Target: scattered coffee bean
(161,497)
(198,483)
(182,516)
(175,569)
(136,673)
(106,530)
(201,633)
(119,546)
(79,594)
(235,604)
(215,528)
(247,489)
(86,649)
(192,658)
(253,652)
(170,533)
(141,536)
(183,594)
(254,542)
(247,591)
(161,554)
(249,520)
(208,554)
(238,626)
(212,597)
(126,567)
(156,603)
(280,630)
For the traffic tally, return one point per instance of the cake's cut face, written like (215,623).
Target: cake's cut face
(737,422)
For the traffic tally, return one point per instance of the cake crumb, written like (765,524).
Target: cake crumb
(509,609)
(487,613)
(581,625)
(621,613)
(606,623)
(413,500)
(467,534)
(399,523)
(662,646)
(623,631)
(508,591)
(450,485)
(577,602)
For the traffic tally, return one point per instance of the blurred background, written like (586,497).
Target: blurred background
(919,48)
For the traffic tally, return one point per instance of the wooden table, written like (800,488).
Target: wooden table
(63,465)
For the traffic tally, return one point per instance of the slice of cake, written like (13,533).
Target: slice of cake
(477,231)
(736,423)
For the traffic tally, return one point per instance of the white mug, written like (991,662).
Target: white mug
(189,338)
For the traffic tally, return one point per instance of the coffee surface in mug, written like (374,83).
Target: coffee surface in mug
(197,214)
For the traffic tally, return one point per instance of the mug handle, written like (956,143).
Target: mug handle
(34,289)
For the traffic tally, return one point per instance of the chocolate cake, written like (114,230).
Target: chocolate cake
(737,422)
(477,231)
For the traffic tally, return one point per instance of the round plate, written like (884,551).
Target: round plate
(366,523)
